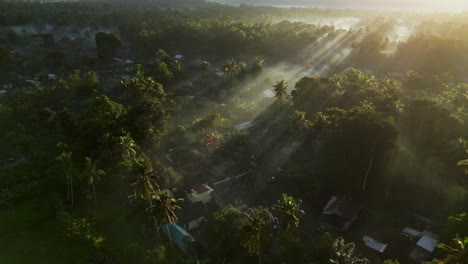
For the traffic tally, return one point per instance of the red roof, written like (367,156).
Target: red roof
(200,188)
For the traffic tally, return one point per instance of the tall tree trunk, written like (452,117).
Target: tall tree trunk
(71,188)
(68,188)
(259,254)
(154,218)
(169,235)
(94,191)
(367,172)
(387,193)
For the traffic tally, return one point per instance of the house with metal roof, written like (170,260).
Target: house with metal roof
(200,193)
(341,213)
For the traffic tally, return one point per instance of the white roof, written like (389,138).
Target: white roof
(2,91)
(411,232)
(129,61)
(179,56)
(430,234)
(245,125)
(197,153)
(428,243)
(33,82)
(374,244)
(330,202)
(268,94)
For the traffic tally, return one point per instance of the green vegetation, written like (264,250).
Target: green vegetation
(118,118)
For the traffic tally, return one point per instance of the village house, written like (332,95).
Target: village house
(426,243)
(200,193)
(230,191)
(340,213)
(192,215)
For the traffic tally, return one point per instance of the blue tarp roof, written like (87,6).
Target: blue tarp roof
(179,236)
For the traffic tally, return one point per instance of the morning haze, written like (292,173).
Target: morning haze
(197,132)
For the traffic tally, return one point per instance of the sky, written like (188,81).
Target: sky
(452,5)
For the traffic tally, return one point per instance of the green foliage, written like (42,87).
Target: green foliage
(464,164)
(81,230)
(106,45)
(6,196)
(104,115)
(456,225)
(425,120)
(55,59)
(280,89)
(344,253)
(233,67)
(7,62)
(156,255)
(456,254)
(388,261)
(141,87)
(163,207)
(257,67)
(164,68)
(144,184)
(256,228)
(205,66)
(289,211)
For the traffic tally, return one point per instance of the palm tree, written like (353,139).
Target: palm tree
(299,123)
(257,67)
(144,185)
(457,254)
(128,149)
(256,228)
(280,88)
(288,208)
(163,209)
(92,174)
(232,67)
(65,159)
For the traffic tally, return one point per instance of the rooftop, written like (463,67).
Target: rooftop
(428,243)
(245,125)
(179,236)
(340,207)
(201,188)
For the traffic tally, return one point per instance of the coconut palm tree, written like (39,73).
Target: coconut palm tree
(257,67)
(163,209)
(457,254)
(257,227)
(128,149)
(300,124)
(65,159)
(92,174)
(281,88)
(145,183)
(232,67)
(289,211)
